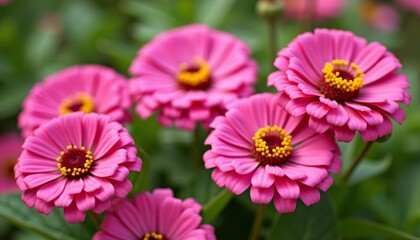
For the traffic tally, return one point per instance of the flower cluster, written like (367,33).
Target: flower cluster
(281,146)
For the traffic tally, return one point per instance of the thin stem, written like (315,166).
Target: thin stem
(95,219)
(140,181)
(272,38)
(196,148)
(258,222)
(356,162)
(310,14)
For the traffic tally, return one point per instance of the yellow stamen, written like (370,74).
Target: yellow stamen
(197,77)
(78,102)
(334,79)
(153,235)
(272,154)
(74,171)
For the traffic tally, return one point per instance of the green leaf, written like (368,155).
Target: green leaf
(357,228)
(11,97)
(369,169)
(52,226)
(213,12)
(216,205)
(314,222)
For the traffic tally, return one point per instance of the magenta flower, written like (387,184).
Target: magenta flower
(189,74)
(412,5)
(10,148)
(86,88)
(156,215)
(258,144)
(78,162)
(342,83)
(317,9)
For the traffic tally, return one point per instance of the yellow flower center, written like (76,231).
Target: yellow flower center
(74,162)
(341,80)
(272,145)
(195,75)
(154,236)
(78,102)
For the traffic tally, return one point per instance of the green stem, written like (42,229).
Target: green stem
(356,162)
(258,222)
(196,148)
(95,219)
(141,179)
(310,13)
(272,38)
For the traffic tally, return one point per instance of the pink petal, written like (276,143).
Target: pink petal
(186,222)
(337,116)
(326,183)
(122,188)
(49,191)
(262,179)
(244,165)
(309,195)
(130,214)
(35,180)
(319,125)
(311,157)
(274,170)
(262,195)
(114,227)
(74,186)
(74,215)
(238,183)
(85,201)
(284,205)
(43,207)
(287,188)
(317,109)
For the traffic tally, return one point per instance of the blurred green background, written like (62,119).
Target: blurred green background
(38,38)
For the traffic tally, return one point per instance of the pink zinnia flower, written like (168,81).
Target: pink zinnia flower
(86,88)
(342,83)
(258,144)
(189,74)
(77,162)
(156,215)
(10,149)
(4,2)
(412,5)
(317,9)
(381,16)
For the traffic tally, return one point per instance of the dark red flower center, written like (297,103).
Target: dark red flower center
(75,162)
(341,81)
(272,145)
(79,102)
(154,236)
(194,76)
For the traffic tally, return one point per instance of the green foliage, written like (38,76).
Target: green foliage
(358,228)
(52,226)
(315,222)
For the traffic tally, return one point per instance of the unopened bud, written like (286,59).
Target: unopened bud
(269,9)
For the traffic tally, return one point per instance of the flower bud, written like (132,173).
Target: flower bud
(269,9)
